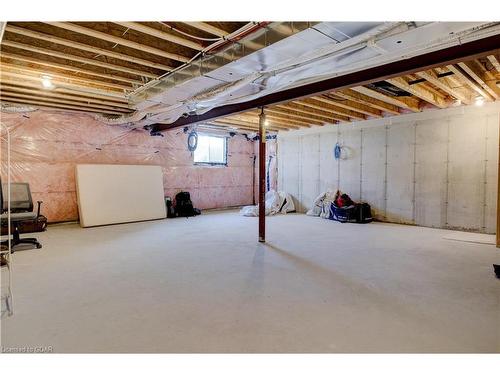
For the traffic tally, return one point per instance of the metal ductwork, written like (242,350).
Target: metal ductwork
(292,55)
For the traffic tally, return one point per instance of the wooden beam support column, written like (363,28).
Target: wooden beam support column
(262,176)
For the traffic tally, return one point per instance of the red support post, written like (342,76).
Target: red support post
(262,176)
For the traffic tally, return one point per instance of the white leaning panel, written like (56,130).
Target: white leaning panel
(112,194)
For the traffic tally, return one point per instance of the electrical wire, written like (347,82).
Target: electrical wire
(189,35)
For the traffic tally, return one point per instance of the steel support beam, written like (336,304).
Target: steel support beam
(451,55)
(262,176)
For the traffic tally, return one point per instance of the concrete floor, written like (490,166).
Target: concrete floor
(205,285)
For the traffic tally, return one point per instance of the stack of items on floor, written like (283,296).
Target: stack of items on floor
(276,202)
(340,207)
(182,206)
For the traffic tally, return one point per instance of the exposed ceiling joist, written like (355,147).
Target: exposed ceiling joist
(254,124)
(161,35)
(208,28)
(67,89)
(368,101)
(121,41)
(399,102)
(474,71)
(441,83)
(349,108)
(290,114)
(419,91)
(238,125)
(465,79)
(280,118)
(56,82)
(77,70)
(68,78)
(83,60)
(299,108)
(42,104)
(494,61)
(324,109)
(9,95)
(344,101)
(336,108)
(52,94)
(86,47)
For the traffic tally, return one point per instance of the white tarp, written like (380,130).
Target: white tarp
(276,202)
(321,204)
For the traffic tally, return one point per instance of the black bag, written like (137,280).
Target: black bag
(184,206)
(28,226)
(356,213)
(364,213)
(343,214)
(170,207)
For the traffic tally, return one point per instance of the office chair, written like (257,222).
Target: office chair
(21,210)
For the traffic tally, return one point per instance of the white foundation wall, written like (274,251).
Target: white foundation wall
(436,168)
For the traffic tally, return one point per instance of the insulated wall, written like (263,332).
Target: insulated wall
(46,146)
(437,168)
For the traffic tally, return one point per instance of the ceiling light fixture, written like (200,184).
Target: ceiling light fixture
(479,101)
(47,82)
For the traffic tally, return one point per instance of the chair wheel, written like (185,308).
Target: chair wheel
(38,245)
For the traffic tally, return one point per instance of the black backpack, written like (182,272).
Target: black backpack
(364,214)
(184,206)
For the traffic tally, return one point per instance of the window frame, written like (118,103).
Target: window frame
(213,164)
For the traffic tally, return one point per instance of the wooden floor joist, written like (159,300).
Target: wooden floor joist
(86,47)
(332,116)
(332,106)
(368,101)
(292,114)
(305,108)
(462,76)
(75,70)
(419,91)
(57,82)
(161,35)
(208,28)
(397,101)
(121,41)
(250,117)
(341,100)
(57,94)
(78,59)
(477,75)
(9,95)
(440,83)
(68,78)
(40,103)
(284,119)
(494,61)
(250,125)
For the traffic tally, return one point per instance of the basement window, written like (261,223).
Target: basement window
(211,150)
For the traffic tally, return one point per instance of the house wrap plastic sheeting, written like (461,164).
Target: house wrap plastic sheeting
(46,146)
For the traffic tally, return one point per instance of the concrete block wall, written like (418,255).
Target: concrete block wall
(436,168)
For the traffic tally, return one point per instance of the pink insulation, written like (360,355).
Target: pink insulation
(46,146)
